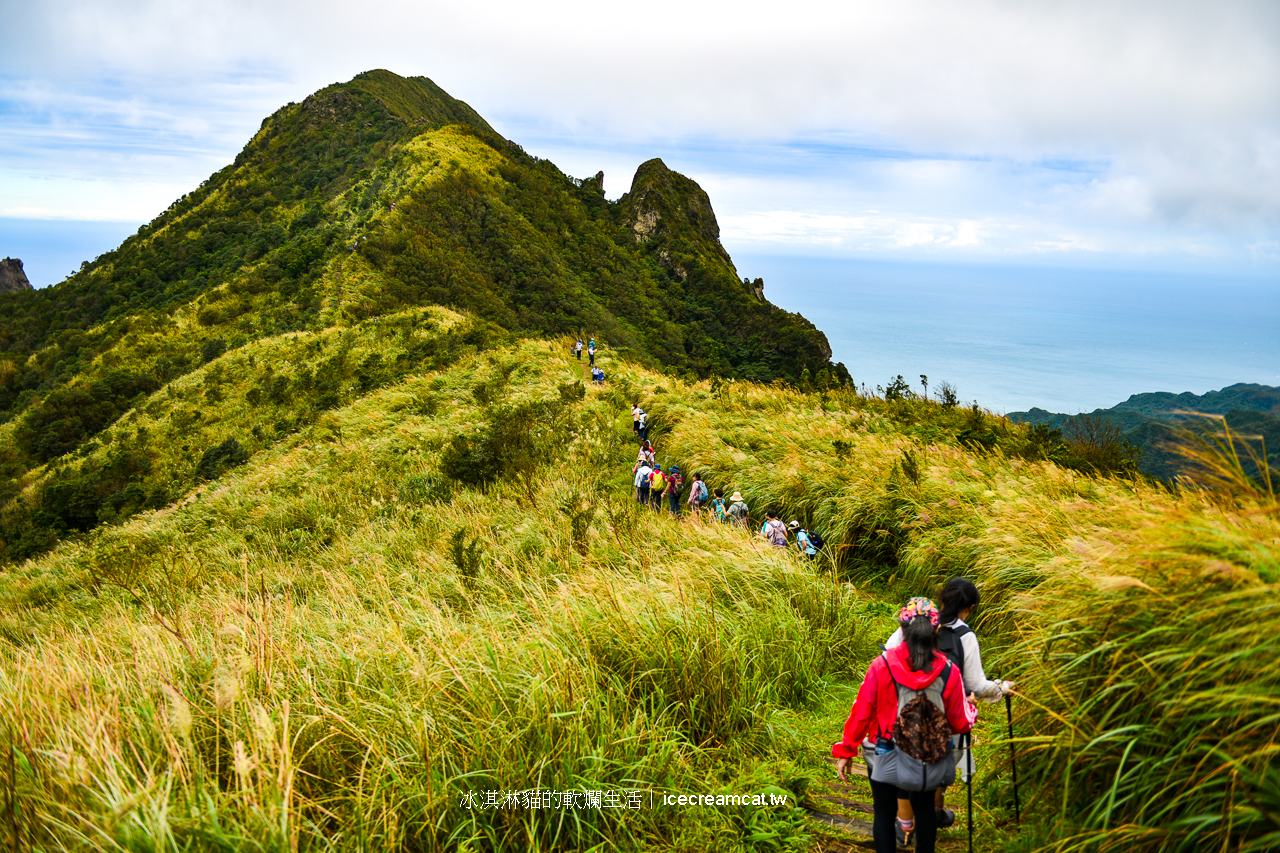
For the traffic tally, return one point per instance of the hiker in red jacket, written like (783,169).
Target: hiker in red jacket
(914,665)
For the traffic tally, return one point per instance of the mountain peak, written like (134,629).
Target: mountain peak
(416,100)
(672,214)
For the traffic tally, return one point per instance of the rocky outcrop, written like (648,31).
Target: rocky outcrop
(12,278)
(673,215)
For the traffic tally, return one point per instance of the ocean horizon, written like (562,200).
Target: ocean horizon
(1017,337)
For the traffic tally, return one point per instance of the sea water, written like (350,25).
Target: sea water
(1066,340)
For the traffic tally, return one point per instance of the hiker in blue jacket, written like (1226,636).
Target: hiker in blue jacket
(803,542)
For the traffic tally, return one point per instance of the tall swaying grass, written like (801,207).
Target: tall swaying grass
(332,645)
(1140,622)
(296,658)
(1153,672)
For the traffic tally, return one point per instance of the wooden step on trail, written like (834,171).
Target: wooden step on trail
(840,810)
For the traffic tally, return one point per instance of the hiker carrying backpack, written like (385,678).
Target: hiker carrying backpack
(675,484)
(806,540)
(910,703)
(774,530)
(960,644)
(698,494)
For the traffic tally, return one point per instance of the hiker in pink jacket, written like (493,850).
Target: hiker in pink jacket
(915,665)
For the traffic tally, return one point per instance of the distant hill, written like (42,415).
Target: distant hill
(1150,421)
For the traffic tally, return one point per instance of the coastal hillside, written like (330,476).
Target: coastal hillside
(1153,425)
(383,193)
(315,537)
(366,200)
(441,589)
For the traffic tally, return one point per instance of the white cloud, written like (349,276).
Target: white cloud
(984,126)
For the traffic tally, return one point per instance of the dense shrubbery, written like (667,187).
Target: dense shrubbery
(69,415)
(216,460)
(511,441)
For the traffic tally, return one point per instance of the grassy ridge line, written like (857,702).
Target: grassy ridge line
(272,685)
(256,395)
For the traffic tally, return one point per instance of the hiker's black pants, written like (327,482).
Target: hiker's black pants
(884,798)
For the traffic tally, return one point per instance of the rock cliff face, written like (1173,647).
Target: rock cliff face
(673,214)
(12,278)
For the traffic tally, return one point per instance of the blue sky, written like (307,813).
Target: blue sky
(1138,136)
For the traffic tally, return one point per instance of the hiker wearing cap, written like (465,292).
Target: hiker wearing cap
(738,511)
(913,667)
(803,542)
(675,485)
(774,530)
(959,643)
(591,351)
(635,418)
(644,470)
(657,485)
(643,424)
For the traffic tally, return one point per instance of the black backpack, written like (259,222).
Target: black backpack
(816,540)
(949,644)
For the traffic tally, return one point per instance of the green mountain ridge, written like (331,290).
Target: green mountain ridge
(487,229)
(1156,423)
(368,199)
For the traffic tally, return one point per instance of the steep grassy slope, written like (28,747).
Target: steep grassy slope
(332,643)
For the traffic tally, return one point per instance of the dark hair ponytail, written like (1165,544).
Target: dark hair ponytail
(922,642)
(958,595)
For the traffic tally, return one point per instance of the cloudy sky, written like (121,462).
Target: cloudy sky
(1111,133)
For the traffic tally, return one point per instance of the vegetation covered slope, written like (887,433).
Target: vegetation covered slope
(440,586)
(444,211)
(366,199)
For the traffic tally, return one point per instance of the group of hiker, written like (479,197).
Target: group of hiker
(655,486)
(917,704)
(576,350)
(913,714)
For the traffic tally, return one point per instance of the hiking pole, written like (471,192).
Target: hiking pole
(968,782)
(1013,759)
